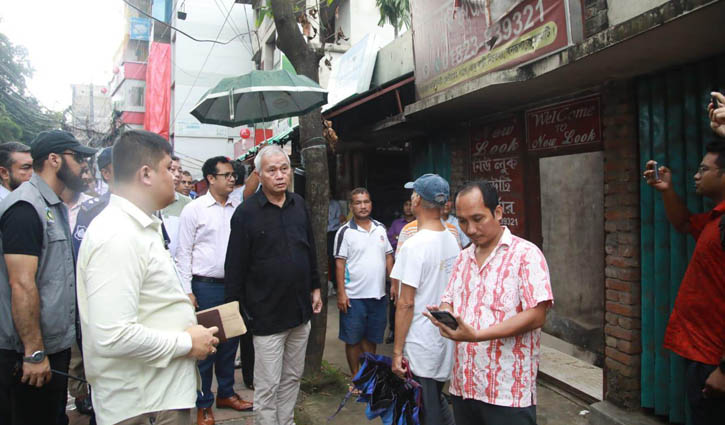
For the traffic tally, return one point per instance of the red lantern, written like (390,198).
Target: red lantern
(104,90)
(245,133)
(116,70)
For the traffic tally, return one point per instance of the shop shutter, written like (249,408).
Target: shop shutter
(673,130)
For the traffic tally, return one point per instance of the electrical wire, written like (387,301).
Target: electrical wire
(182,32)
(181,108)
(234,26)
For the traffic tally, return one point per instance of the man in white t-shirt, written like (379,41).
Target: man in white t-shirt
(363,260)
(423,266)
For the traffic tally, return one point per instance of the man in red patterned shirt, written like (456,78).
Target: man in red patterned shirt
(696,329)
(499,294)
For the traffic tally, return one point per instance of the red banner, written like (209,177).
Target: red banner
(496,155)
(573,123)
(158,90)
(456,40)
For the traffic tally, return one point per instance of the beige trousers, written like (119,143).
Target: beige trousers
(279,361)
(164,417)
(77,389)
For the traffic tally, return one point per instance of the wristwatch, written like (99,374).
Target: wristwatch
(722,366)
(36,357)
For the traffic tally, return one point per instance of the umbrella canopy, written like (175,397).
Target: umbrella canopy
(259,96)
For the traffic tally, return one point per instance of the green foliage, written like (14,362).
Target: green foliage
(21,116)
(9,131)
(394,12)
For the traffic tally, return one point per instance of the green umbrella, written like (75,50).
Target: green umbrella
(259,96)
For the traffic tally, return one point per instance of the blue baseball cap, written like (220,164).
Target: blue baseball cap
(104,158)
(431,187)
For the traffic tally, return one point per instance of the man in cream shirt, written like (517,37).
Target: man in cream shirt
(140,336)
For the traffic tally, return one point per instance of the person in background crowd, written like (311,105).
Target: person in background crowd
(363,260)
(92,207)
(241,173)
(88,211)
(449,218)
(140,335)
(271,269)
(499,294)
(335,219)
(16,166)
(393,233)
(246,345)
(399,223)
(203,237)
(252,184)
(696,327)
(170,215)
(37,288)
(186,184)
(424,266)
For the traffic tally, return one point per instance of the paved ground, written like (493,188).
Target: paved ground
(553,408)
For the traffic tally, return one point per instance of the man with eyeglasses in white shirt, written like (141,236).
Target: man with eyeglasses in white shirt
(204,229)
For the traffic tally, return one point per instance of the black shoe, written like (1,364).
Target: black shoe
(84,405)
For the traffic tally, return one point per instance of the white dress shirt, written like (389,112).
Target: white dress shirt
(3,192)
(133,314)
(204,228)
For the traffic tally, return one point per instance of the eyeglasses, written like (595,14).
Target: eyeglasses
(704,169)
(228,176)
(77,157)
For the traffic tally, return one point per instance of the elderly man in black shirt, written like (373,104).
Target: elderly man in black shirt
(271,270)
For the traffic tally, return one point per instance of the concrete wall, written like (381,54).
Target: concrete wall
(195,142)
(624,10)
(572,221)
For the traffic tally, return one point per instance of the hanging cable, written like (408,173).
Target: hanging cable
(180,31)
(181,108)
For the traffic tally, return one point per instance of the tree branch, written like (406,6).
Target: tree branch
(290,39)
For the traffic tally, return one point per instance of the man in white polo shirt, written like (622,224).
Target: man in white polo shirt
(363,260)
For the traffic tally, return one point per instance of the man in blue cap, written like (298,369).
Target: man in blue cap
(423,267)
(37,284)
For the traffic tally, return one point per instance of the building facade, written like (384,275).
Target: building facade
(560,103)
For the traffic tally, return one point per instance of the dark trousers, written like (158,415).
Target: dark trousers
(704,411)
(391,308)
(474,412)
(331,259)
(435,406)
(246,354)
(22,404)
(221,363)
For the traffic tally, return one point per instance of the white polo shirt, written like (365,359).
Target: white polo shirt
(364,254)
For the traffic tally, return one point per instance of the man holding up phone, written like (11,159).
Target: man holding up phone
(423,266)
(499,293)
(695,328)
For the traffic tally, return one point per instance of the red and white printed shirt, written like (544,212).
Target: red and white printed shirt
(513,278)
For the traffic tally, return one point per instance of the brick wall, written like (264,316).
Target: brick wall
(622,230)
(595,16)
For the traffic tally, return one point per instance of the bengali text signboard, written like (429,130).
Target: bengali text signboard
(568,124)
(497,156)
(456,40)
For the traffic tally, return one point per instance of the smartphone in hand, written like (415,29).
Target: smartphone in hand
(446,318)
